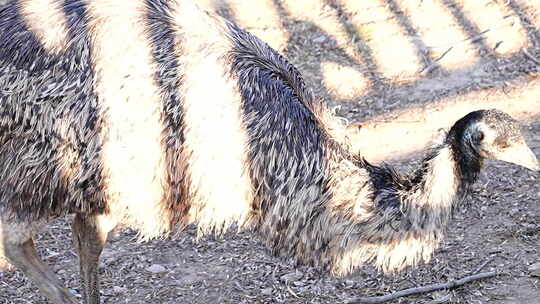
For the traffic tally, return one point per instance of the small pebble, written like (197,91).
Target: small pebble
(156,268)
(293,276)
(118,289)
(320,39)
(534,270)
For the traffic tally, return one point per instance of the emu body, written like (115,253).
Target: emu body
(156,115)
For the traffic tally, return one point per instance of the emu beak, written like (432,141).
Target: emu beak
(519,154)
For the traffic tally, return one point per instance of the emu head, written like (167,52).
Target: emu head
(494,134)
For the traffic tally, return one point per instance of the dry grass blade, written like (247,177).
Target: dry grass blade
(530,56)
(483,265)
(423,289)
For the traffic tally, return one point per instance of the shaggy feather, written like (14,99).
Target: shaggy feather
(157,114)
(49,127)
(322,205)
(169,77)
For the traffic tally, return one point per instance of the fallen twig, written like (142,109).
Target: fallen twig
(482,266)
(291,291)
(435,63)
(422,289)
(530,56)
(480,36)
(361,124)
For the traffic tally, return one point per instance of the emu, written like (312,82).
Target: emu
(156,115)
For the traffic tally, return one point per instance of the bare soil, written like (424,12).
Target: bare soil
(499,224)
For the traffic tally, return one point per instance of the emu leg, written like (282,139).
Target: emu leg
(25,258)
(90,235)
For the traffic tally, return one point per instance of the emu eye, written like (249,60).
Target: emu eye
(478,136)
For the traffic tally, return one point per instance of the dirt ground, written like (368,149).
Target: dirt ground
(404,69)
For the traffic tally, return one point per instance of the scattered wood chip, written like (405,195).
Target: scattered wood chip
(530,56)
(534,270)
(156,268)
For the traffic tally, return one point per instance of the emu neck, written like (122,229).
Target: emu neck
(427,199)
(439,181)
(468,161)
(445,175)
(406,219)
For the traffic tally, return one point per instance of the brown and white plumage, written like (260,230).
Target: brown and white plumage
(156,115)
